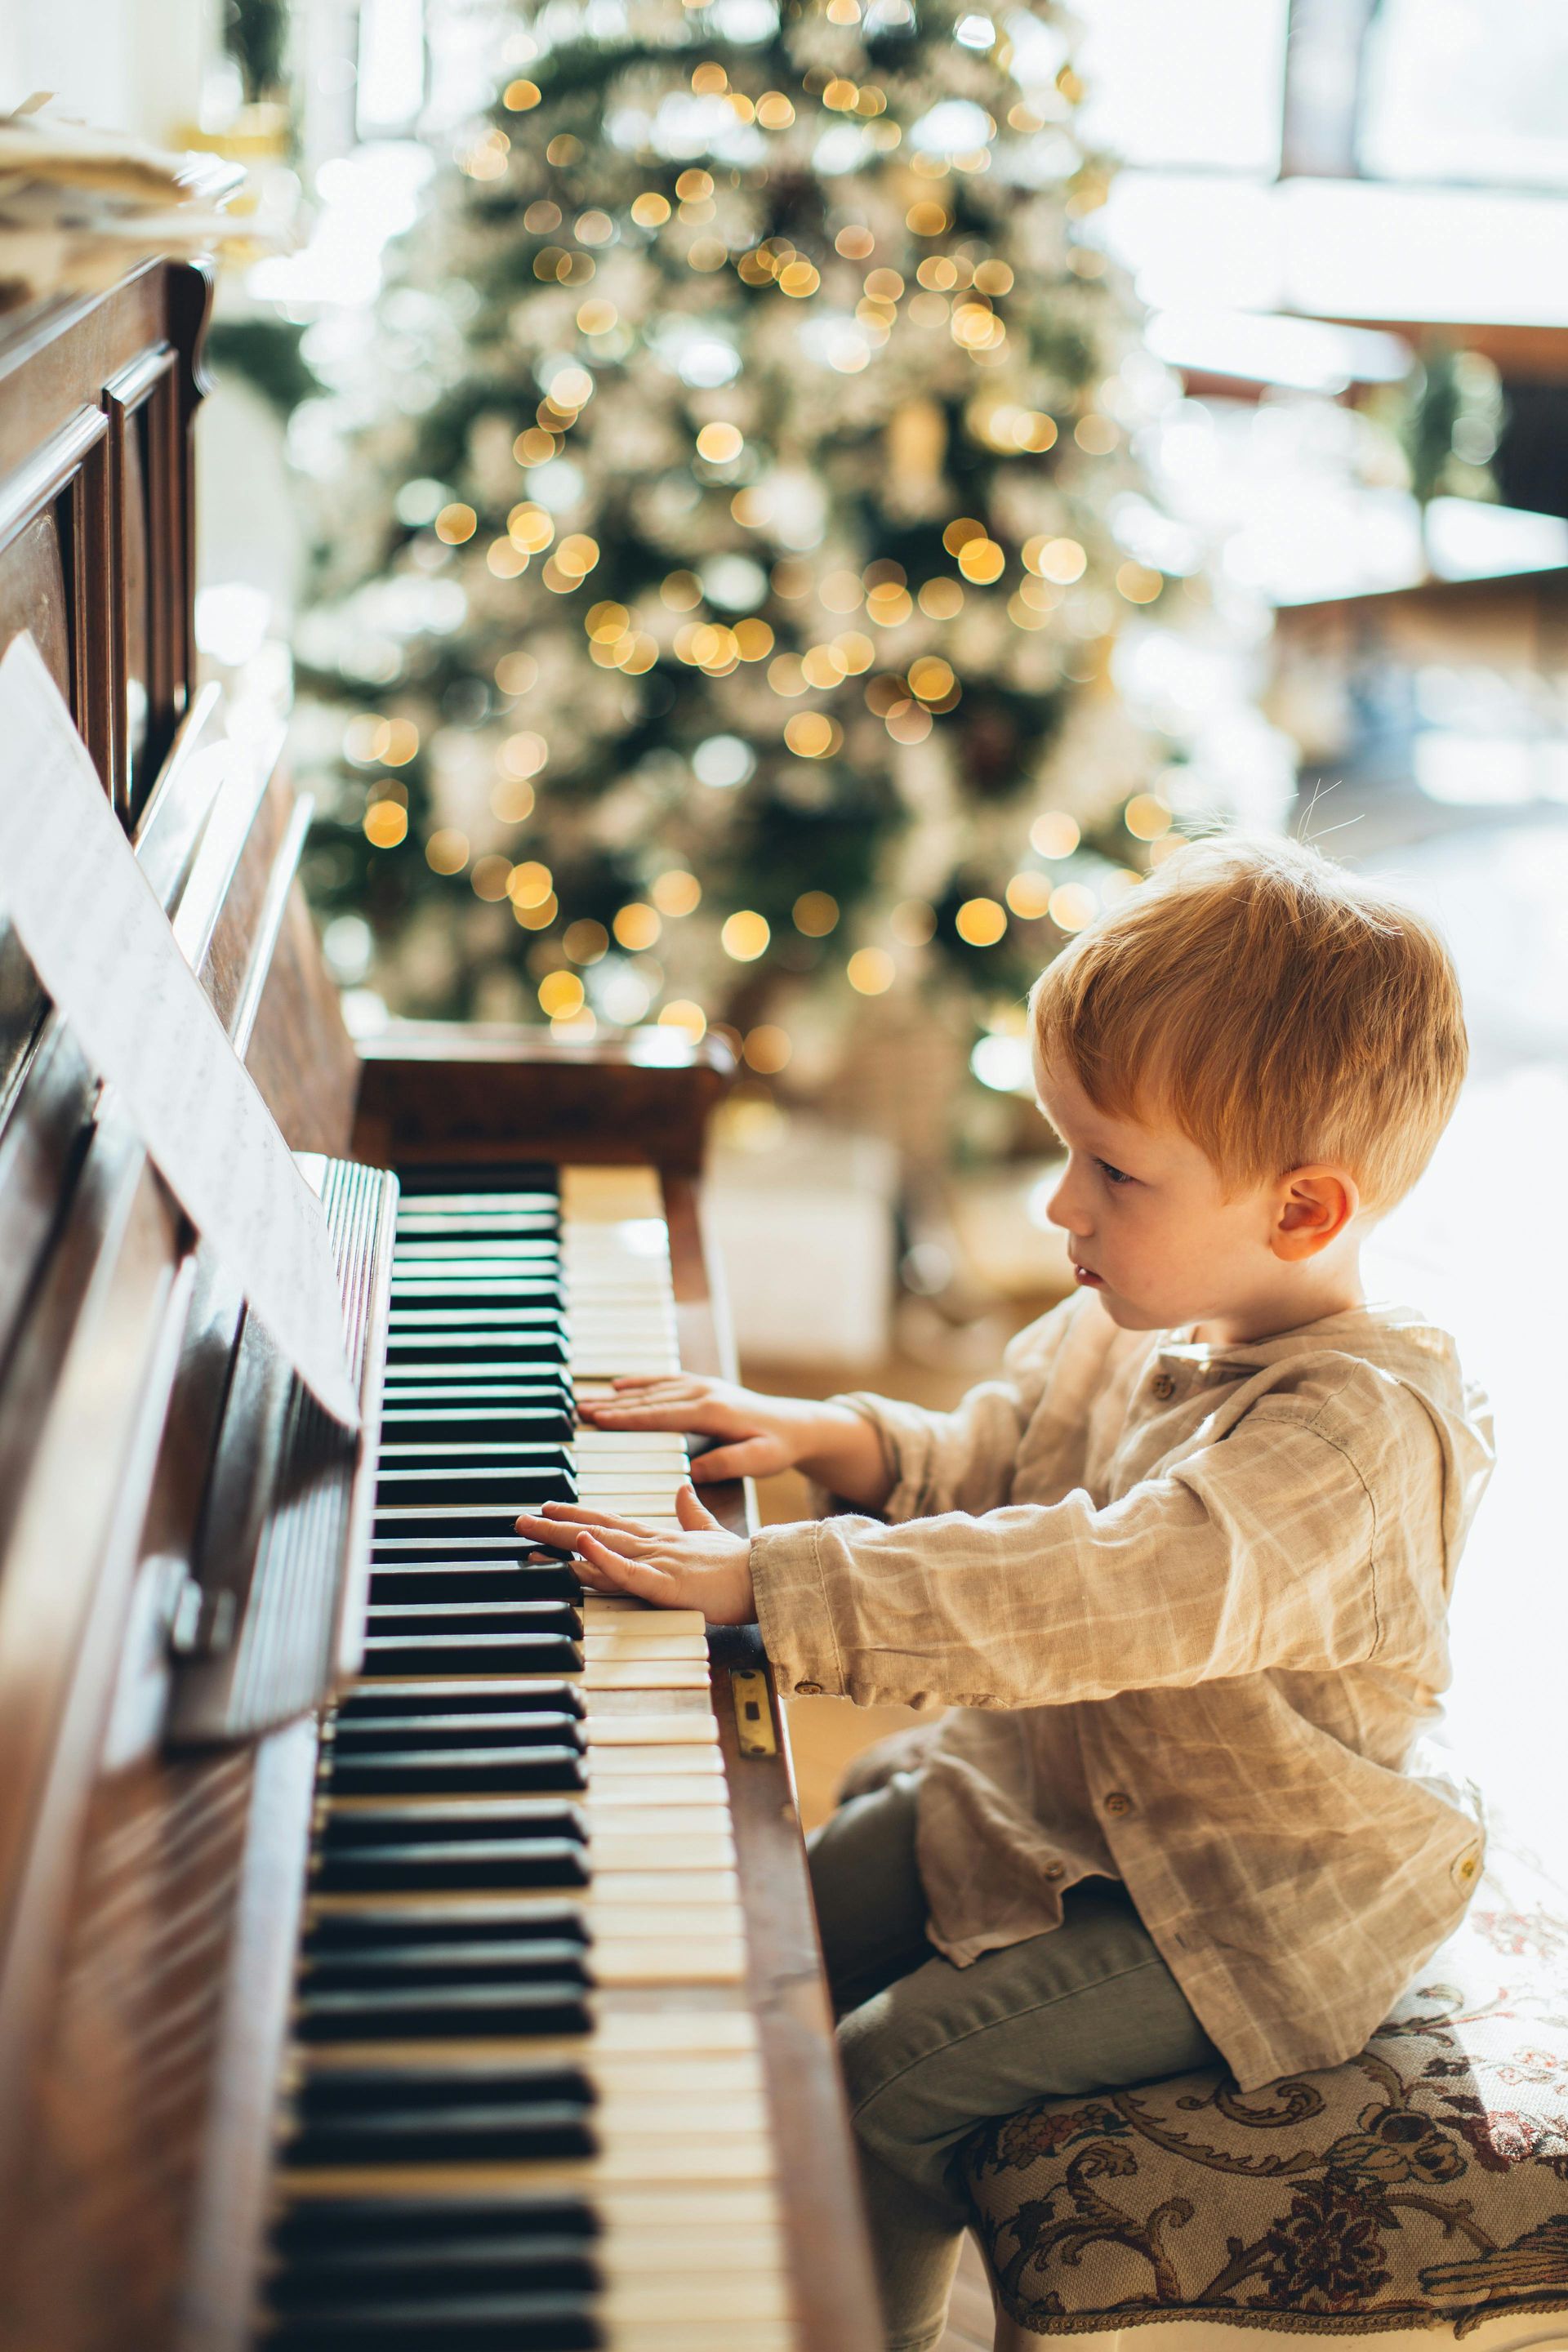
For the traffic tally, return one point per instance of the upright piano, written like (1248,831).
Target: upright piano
(398,1946)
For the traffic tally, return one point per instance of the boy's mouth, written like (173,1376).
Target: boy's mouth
(1088,1277)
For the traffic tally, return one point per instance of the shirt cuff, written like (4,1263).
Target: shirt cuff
(907,1451)
(792,1611)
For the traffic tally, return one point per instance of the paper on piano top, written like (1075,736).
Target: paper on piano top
(102,946)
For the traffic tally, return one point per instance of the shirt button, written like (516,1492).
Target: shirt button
(1163,1385)
(808,1690)
(1054,1870)
(1466,1868)
(1118,1802)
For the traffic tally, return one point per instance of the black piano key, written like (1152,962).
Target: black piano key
(471,1653)
(444,1697)
(438,1523)
(435,1732)
(546,1918)
(479,1866)
(517,1349)
(478,2265)
(309,2228)
(501,1580)
(423,1412)
(463,1450)
(549,1570)
(472,1771)
(502,1960)
(442,2012)
(399,1486)
(500,2132)
(464,1819)
(449,2323)
(417,1618)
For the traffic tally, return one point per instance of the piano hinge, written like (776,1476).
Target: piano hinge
(754,1712)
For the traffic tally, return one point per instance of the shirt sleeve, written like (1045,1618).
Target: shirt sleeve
(1254,1553)
(963,1460)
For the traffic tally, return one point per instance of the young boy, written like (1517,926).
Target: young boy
(1180,1572)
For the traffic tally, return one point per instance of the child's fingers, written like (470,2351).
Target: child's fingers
(579,1514)
(632,1575)
(750,1458)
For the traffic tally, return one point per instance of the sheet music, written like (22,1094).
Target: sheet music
(102,946)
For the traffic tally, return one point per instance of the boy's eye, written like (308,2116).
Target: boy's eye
(1113,1175)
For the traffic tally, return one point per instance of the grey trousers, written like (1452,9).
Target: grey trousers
(929,2049)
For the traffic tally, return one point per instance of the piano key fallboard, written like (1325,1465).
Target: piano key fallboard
(526,2100)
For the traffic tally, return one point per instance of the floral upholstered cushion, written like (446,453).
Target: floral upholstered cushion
(1425,2181)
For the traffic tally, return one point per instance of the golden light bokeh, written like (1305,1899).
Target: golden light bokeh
(578,553)
(814,912)
(522,755)
(959,531)
(982,562)
(385,824)
(606,622)
(1029,896)
(447,851)
(518,96)
(512,799)
(489,879)
(888,605)
(681,591)
(1139,583)
(798,278)
(1146,816)
(870,970)
(721,444)
(585,942)
(561,995)
(812,735)
(930,678)
(940,599)
(1055,833)
(884,284)
(822,666)
(516,673)
(775,112)
(365,739)
(539,917)
(677,893)
(528,526)
(855,243)
(1061,559)
(766,1048)
(650,210)
(456,522)
(745,936)
(681,1014)
(981,922)
(637,926)
(400,744)
(1073,906)
(926,218)
(786,675)
(530,884)
(841,591)
(856,651)
(506,559)
(754,640)
(1096,435)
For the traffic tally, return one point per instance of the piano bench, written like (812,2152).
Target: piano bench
(1416,2196)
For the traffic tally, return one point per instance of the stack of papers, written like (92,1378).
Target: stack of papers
(80,208)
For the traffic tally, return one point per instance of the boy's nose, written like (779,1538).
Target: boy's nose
(1061,1211)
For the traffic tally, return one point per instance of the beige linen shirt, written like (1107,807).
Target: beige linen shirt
(1188,1603)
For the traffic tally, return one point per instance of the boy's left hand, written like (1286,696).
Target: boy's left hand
(704,1566)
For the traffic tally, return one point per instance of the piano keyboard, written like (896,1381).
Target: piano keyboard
(525,2104)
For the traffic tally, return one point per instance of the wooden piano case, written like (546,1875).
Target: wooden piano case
(144,1973)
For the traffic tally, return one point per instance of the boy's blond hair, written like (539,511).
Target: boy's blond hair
(1275,1008)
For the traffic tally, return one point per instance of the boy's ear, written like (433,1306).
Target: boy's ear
(1315,1205)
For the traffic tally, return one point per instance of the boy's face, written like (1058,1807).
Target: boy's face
(1149,1227)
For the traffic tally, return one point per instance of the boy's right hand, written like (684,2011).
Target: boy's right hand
(765,1434)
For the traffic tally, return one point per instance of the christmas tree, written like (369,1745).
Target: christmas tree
(715,605)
